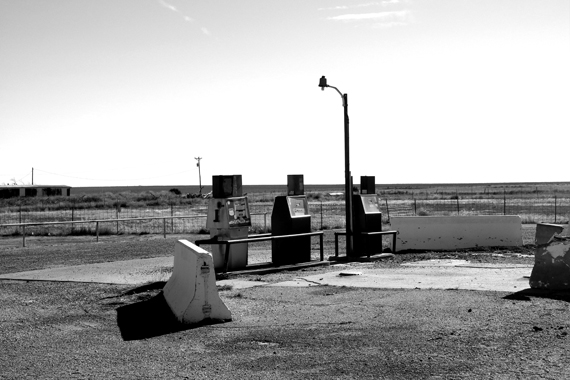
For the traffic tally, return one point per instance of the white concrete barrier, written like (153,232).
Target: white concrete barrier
(551,269)
(191,291)
(456,232)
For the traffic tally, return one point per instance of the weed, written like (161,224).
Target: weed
(259,229)
(223,288)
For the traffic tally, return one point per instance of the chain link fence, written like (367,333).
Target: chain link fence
(538,210)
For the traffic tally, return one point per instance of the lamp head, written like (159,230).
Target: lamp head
(323,83)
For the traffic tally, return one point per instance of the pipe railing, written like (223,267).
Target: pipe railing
(258,238)
(97,221)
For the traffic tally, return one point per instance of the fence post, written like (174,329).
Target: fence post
(20,217)
(555,207)
(171,219)
(387,210)
(265,221)
(23,236)
(164,227)
(457,204)
(117,215)
(321,215)
(97,230)
(322,252)
(415,207)
(504,202)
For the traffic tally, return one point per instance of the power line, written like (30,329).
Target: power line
(25,176)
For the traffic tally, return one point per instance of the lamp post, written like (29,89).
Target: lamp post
(347,175)
(199,174)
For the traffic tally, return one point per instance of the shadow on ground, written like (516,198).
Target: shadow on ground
(526,294)
(150,317)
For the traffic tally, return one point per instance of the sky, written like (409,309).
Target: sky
(131,92)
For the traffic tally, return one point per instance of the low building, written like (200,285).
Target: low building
(34,191)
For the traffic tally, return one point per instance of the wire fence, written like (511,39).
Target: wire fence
(324,215)
(545,210)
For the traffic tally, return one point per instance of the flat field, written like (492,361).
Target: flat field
(526,189)
(534,202)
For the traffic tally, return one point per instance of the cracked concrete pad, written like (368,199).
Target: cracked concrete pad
(446,276)
(240,284)
(437,263)
(128,272)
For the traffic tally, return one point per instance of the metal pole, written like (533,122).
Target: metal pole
(199,174)
(347,178)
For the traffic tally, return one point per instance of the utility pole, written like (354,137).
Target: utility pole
(199,174)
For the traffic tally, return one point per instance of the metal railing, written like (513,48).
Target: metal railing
(99,221)
(24,225)
(258,238)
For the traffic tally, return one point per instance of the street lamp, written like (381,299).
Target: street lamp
(347,175)
(199,173)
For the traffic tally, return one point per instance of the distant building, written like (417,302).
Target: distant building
(34,191)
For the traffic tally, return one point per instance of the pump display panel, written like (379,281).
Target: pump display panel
(370,203)
(298,206)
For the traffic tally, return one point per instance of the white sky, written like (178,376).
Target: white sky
(129,92)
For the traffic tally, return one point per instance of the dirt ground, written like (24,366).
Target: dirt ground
(56,330)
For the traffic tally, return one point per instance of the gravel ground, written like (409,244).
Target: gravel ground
(51,330)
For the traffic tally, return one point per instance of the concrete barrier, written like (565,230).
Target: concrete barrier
(551,269)
(456,232)
(191,291)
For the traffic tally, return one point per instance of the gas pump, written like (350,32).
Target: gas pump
(367,217)
(291,216)
(228,218)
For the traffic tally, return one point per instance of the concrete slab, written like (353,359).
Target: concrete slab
(427,275)
(240,284)
(129,272)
